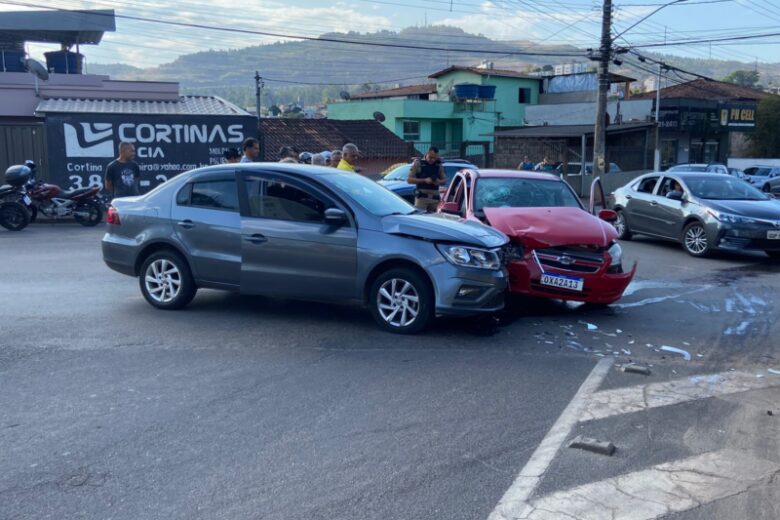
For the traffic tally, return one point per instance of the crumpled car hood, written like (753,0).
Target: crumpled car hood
(440,229)
(551,227)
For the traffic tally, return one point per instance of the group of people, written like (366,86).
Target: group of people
(545,166)
(344,159)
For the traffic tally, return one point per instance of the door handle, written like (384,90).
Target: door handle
(257,238)
(186,224)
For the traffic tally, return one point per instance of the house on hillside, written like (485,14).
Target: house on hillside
(463,105)
(705,121)
(379,147)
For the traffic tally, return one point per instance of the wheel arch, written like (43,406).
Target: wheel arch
(394,263)
(155,247)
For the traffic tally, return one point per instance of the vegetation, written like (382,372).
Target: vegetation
(765,140)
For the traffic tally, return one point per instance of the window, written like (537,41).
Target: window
(411,130)
(278,200)
(524,95)
(668,185)
(647,185)
(511,192)
(210,194)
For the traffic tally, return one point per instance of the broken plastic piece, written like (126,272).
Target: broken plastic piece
(773,371)
(596,446)
(636,369)
(683,353)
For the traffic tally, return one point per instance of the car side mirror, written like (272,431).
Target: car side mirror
(335,217)
(675,195)
(451,207)
(608,215)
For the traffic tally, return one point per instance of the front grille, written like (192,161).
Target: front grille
(574,259)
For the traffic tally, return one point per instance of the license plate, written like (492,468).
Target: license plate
(27,200)
(773,234)
(563,282)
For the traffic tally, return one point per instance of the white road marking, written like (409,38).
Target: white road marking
(661,490)
(515,500)
(618,401)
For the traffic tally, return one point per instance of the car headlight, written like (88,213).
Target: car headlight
(729,218)
(615,253)
(470,257)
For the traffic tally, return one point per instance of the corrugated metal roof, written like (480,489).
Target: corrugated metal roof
(186,105)
(707,89)
(60,26)
(503,73)
(409,90)
(566,130)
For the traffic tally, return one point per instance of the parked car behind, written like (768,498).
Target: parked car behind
(303,232)
(711,212)
(689,167)
(559,250)
(765,178)
(395,180)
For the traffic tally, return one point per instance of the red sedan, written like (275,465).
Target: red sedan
(559,250)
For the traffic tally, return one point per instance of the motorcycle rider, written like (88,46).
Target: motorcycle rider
(123,173)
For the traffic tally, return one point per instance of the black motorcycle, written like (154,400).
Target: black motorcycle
(15,202)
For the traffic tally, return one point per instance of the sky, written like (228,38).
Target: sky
(576,22)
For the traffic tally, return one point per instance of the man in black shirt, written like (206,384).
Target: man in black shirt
(123,173)
(428,175)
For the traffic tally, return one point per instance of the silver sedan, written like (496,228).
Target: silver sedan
(702,211)
(304,232)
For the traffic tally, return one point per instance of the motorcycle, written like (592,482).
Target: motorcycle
(83,204)
(15,203)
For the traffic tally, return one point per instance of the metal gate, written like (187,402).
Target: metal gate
(20,142)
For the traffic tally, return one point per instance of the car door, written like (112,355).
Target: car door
(667,214)
(288,249)
(638,203)
(207,221)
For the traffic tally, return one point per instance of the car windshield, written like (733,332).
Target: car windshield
(723,188)
(399,174)
(760,172)
(523,193)
(375,198)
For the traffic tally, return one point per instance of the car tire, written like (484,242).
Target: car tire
(766,188)
(166,281)
(94,210)
(392,303)
(14,216)
(621,225)
(695,240)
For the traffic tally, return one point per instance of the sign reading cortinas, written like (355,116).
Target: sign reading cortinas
(738,115)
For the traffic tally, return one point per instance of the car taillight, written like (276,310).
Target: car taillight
(113,217)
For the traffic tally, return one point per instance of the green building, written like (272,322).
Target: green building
(450,112)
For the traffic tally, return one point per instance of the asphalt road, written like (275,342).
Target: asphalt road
(254,408)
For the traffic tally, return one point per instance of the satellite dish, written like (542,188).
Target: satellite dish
(344,95)
(36,68)
(379,116)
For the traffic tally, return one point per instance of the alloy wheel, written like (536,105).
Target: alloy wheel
(620,224)
(163,280)
(398,302)
(696,239)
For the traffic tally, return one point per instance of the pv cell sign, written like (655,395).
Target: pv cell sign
(738,115)
(80,146)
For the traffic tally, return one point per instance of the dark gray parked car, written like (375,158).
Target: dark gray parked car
(702,211)
(304,232)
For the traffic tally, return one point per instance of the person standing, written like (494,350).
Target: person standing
(251,149)
(545,166)
(231,155)
(427,174)
(349,158)
(123,173)
(335,158)
(526,164)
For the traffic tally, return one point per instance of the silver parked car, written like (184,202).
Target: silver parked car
(765,178)
(703,211)
(304,232)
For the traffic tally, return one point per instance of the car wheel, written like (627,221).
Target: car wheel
(695,240)
(166,281)
(401,301)
(14,216)
(765,188)
(621,225)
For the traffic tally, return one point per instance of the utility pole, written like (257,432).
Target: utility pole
(657,154)
(259,84)
(605,51)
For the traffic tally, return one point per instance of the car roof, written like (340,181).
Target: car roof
(517,174)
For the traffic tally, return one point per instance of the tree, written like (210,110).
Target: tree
(548,68)
(275,110)
(746,78)
(765,140)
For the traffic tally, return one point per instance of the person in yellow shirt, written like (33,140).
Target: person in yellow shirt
(349,158)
